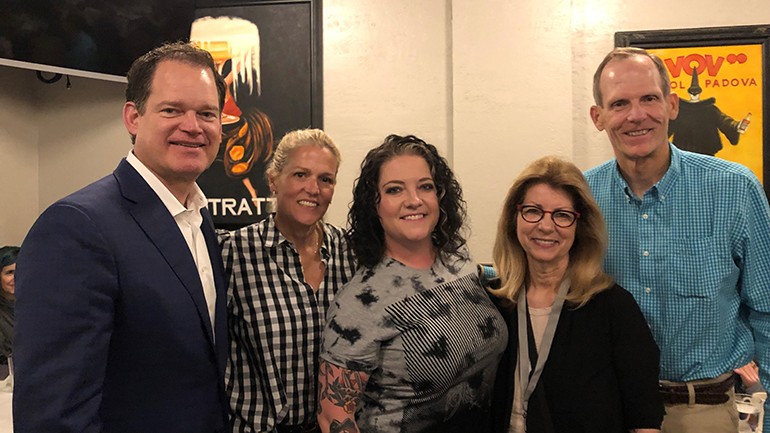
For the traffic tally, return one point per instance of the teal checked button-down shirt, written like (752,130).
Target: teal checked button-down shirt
(695,254)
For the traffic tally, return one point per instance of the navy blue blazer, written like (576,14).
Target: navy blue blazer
(112,330)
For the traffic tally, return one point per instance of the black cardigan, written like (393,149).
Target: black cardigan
(601,374)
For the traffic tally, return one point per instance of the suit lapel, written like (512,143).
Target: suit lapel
(220,308)
(155,220)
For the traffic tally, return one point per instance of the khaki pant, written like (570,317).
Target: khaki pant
(700,418)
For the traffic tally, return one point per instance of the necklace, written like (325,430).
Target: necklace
(313,266)
(318,239)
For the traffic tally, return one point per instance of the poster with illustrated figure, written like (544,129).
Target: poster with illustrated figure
(720,92)
(721,77)
(265,50)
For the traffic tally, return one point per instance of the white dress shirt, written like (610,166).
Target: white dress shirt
(189,221)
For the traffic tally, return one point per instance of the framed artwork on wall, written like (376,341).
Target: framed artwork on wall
(270,53)
(721,77)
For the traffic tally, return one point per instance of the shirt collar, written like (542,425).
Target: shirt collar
(197,200)
(666,183)
(663,186)
(273,237)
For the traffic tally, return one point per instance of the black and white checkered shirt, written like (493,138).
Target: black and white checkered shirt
(276,321)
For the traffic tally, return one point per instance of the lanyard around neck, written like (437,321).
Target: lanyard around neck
(527,382)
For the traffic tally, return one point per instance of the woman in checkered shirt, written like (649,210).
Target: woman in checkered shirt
(283,273)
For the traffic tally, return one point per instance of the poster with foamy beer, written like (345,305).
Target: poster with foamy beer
(264,51)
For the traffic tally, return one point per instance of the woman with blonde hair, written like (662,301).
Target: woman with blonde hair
(601,372)
(283,274)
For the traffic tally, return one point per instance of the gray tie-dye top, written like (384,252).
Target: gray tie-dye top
(430,340)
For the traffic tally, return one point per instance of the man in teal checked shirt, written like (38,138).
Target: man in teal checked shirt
(689,238)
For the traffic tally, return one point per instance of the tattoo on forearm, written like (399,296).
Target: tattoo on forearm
(342,387)
(346,426)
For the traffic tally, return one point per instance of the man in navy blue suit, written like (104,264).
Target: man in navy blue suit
(120,312)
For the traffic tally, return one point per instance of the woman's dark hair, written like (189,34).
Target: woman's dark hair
(366,236)
(8,256)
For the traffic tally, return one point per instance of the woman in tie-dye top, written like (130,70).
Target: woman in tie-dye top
(412,342)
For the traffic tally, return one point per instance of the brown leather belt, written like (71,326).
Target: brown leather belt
(708,393)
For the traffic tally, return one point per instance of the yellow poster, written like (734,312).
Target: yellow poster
(720,92)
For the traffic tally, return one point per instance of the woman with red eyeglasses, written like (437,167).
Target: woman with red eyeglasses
(580,355)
